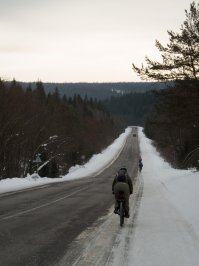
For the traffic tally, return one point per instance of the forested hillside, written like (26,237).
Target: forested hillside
(128,101)
(99,91)
(48,133)
(134,108)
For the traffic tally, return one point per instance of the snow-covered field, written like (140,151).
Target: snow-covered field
(163,229)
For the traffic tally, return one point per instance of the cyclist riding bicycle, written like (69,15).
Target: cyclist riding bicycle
(122,184)
(140,164)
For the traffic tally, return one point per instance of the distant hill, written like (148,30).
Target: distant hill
(134,108)
(99,91)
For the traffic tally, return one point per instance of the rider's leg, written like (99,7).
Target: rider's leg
(116,206)
(117,189)
(120,186)
(127,194)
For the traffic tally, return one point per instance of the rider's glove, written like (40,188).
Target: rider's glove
(113,192)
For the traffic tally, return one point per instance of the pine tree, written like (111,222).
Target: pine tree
(180,57)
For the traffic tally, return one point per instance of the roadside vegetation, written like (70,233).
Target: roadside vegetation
(47,134)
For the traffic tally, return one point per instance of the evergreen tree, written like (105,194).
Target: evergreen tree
(180,57)
(174,123)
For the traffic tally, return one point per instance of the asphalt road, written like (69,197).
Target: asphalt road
(37,225)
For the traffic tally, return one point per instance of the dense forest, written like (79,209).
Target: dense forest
(47,133)
(174,123)
(99,91)
(134,108)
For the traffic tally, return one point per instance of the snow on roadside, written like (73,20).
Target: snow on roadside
(166,231)
(163,227)
(92,167)
(181,185)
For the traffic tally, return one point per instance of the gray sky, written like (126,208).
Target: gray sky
(83,40)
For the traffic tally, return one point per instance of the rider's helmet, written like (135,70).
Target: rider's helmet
(123,169)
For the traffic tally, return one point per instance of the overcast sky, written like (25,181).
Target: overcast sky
(83,40)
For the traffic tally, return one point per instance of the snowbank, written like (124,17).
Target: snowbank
(96,164)
(181,185)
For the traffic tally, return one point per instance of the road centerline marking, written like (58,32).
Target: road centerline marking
(41,206)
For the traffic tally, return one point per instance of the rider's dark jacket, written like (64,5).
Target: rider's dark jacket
(126,179)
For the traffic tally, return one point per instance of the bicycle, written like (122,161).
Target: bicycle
(121,204)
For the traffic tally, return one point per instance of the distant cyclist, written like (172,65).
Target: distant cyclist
(122,184)
(140,164)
